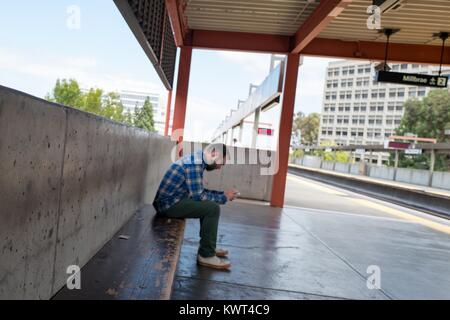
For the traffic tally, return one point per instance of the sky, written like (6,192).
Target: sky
(41,41)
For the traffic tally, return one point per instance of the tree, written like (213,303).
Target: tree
(92,102)
(67,92)
(337,156)
(113,108)
(144,116)
(305,129)
(426,118)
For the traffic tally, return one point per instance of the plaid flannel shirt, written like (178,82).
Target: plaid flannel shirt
(184,179)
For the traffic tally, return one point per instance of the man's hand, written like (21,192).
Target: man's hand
(231,194)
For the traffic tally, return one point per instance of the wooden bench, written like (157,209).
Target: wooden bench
(141,267)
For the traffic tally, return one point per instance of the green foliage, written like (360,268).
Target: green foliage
(427,118)
(144,117)
(305,129)
(68,92)
(338,156)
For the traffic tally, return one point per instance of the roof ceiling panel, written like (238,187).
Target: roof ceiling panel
(417,19)
(281,17)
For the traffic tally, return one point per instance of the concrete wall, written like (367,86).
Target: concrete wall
(381,172)
(243,171)
(68,181)
(342,167)
(414,176)
(441,180)
(312,161)
(355,168)
(327,165)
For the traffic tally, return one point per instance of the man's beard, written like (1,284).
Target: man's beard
(211,167)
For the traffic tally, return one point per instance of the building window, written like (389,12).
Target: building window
(344,71)
(365,94)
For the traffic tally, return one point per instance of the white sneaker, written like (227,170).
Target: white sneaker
(213,262)
(221,253)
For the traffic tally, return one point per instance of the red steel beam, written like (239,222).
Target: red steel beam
(255,42)
(325,12)
(176,20)
(179,114)
(169,103)
(284,136)
(367,50)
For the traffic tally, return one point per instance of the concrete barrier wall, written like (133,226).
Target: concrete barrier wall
(245,171)
(355,168)
(342,167)
(441,180)
(414,176)
(312,161)
(327,165)
(68,181)
(381,172)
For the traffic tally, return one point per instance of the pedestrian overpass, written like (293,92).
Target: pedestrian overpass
(75,189)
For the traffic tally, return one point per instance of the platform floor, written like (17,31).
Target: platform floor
(321,246)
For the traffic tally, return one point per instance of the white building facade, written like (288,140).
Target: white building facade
(359,110)
(133,99)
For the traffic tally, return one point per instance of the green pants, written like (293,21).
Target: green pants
(208,212)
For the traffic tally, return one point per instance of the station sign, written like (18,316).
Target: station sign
(265,131)
(413,151)
(412,79)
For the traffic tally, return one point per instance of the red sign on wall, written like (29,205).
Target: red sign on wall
(398,145)
(265,131)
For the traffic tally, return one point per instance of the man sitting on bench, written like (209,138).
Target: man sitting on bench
(181,195)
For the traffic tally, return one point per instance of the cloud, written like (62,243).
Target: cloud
(86,70)
(201,128)
(253,63)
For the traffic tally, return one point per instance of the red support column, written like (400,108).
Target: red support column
(169,103)
(179,114)
(284,137)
